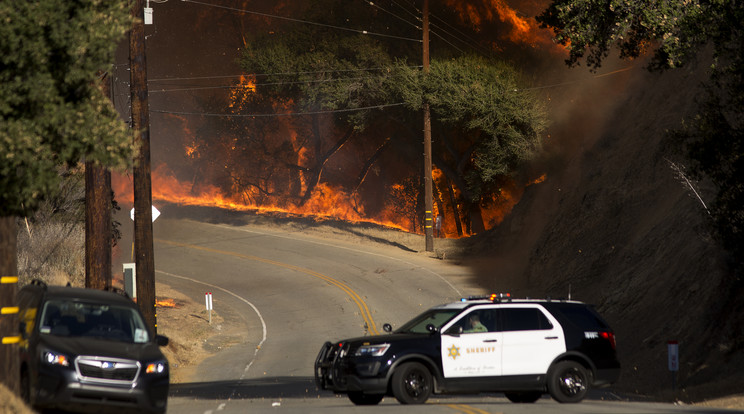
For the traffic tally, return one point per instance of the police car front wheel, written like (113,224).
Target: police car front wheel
(412,383)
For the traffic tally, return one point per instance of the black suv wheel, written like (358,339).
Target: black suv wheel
(568,382)
(412,383)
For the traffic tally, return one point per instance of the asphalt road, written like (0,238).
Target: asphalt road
(283,293)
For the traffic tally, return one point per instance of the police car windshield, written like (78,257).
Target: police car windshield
(436,317)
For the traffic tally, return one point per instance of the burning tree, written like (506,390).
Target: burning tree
(356,105)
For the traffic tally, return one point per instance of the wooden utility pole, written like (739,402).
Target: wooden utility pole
(143,244)
(428,187)
(98,218)
(9,335)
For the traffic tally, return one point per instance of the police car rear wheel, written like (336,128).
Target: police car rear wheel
(412,383)
(568,382)
(359,398)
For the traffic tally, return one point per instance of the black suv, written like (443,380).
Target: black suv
(523,348)
(88,350)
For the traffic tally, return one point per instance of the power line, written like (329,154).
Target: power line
(273,16)
(470,41)
(415,16)
(373,4)
(446,41)
(555,85)
(276,74)
(264,115)
(196,88)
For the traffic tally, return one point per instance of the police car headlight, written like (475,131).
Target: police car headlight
(372,350)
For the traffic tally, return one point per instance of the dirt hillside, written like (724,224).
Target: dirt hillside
(614,224)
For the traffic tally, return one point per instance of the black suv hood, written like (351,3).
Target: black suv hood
(73,347)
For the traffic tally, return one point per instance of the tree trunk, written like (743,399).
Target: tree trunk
(321,158)
(455,213)
(9,368)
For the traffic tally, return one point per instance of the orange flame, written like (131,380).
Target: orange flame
(242,92)
(165,303)
(326,201)
(523,30)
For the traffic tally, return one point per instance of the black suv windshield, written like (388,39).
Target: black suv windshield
(436,317)
(69,318)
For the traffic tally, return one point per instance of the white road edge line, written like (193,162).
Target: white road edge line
(255,309)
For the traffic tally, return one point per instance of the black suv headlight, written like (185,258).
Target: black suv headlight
(376,350)
(55,358)
(157,367)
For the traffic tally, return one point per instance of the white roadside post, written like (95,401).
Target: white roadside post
(673,348)
(208,300)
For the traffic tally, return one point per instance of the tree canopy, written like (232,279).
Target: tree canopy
(52,111)
(675,32)
(672,30)
(485,124)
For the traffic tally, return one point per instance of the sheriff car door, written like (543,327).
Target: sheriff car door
(471,354)
(532,339)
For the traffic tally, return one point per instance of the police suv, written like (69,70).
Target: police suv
(521,347)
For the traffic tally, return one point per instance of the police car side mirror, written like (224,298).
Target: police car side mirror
(454,330)
(431,328)
(387,328)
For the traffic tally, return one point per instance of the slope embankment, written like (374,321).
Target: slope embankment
(617,224)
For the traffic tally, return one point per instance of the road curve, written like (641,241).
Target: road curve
(287,293)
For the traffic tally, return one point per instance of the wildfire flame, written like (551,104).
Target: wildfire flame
(326,202)
(240,95)
(522,29)
(165,303)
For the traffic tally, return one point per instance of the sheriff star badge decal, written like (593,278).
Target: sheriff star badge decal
(454,352)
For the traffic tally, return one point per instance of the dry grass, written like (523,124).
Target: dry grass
(11,403)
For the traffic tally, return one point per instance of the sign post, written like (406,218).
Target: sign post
(208,299)
(673,349)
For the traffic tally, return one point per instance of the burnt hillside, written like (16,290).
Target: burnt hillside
(615,225)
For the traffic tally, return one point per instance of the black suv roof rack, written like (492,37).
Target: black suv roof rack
(38,282)
(115,289)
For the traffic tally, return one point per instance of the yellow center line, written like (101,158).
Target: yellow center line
(463,408)
(363,309)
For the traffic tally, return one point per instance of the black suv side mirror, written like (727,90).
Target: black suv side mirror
(22,329)
(387,328)
(161,340)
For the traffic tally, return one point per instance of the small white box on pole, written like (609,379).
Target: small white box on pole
(130,279)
